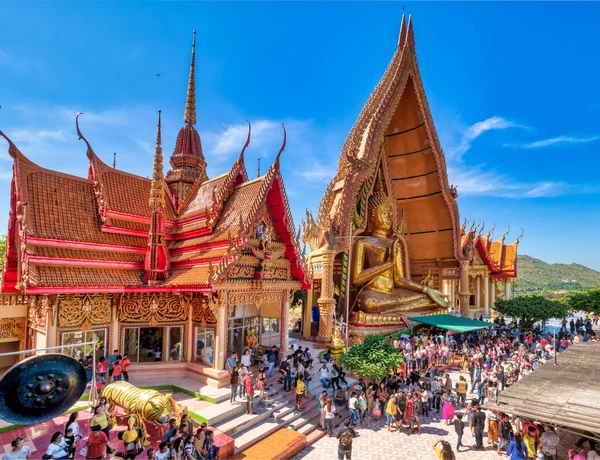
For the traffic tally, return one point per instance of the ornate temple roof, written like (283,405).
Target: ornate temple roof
(500,258)
(396,124)
(105,233)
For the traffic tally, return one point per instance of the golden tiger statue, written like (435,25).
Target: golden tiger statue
(148,405)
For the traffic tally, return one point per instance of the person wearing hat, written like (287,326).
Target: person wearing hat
(18,451)
(131,438)
(97,443)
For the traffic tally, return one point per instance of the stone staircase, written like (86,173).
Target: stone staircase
(271,415)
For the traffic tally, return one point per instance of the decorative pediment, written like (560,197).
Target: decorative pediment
(152,308)
(84,312)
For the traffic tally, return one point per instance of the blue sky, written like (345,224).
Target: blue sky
(512,88)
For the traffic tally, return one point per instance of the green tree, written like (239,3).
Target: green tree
(2,251)
(373,359)
(531,308)
(585,301)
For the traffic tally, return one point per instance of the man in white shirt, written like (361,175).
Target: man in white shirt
(18,452)
(163,452)
(549,442)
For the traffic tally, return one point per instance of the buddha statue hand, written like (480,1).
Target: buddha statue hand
(437,297)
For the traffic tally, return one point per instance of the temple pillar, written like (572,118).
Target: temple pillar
(285,324)
(478,284)
(509,291)
(307,315)
(326,301)
(486,293)
(191,339)
(493,292)
(463,292)
(221,338)
(506,289)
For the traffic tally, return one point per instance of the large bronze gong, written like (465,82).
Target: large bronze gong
(40,388)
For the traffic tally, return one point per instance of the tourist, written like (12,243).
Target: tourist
(170,432)
(448,402)
(177,452)
(72,424)
(234,382)
(101,368)
(210,451)
(246,358)
(97,444)
(362,406)
(492,438)
(517,449)
(549,442)
(231,361)
(286,370)
(157,354)
(125,363)
(101,418)
(117,369)
(262,381)
(300,392)
(102,402)
(530,441)
(151,454)
(189,450)
(354,408)
(419,411)
(390,413)
(505,432)
(242,372)
(324,376)
(18,451)
(445,451)
(459,428)
(186,425)
(330,412)
(479,425)
(576,453)
(163,452)
(346,435)
(335,377)
(320,408)
(111,359)
(200,438)
(89,369)
(271,359)
(461,390)
(249,388)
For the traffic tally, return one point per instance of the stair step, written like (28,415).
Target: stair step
(255,434)
(240,422)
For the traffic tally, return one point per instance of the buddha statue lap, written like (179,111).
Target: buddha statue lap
(378,270)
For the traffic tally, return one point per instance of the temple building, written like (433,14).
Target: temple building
(386,243)
(180,268)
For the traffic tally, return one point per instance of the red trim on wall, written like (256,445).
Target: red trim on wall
(114,289)
(124,231)
(68,262)
(33,241)
(192,234)
(198,262)
(202,247)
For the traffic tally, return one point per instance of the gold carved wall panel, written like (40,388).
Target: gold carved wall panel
(84,311)
(252,298)
(202,313)
(153,308)
(12,329)
(37,315)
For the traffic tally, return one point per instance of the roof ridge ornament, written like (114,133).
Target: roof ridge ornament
(13,150)
(282,145)
(157,191)
(403,31)
(189,116)
(241,158)
(90,151)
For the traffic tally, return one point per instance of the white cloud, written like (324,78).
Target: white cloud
(470,133)
(230,140)
(318,172)
(554,141)
(477,180)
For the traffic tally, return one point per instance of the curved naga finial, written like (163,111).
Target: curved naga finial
(90,151)
(506,234)
(284,142)
(491,230)
(247,140)
(13,150)
(520,236)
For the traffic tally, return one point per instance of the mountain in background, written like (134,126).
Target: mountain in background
(537,275)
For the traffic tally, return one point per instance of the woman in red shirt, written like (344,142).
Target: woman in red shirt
(125,363)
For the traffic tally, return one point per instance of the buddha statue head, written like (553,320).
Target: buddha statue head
(381,212)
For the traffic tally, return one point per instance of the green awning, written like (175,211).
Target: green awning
(450,322)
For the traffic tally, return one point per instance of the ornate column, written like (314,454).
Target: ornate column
(478,280)
(221,338)
(506,289)
(307,315)
(486,293)
(493,292)
(464,293)
(509,292)
(285,321)
(326,301)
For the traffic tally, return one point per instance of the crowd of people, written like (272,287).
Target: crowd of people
(421,390)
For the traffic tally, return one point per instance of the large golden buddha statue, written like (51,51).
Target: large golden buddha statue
(378,272)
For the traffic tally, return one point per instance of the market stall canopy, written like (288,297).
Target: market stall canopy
(450,322)
(566,395)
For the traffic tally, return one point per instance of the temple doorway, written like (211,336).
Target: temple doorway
(153,344)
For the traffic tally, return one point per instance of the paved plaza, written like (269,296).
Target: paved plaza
(375,442)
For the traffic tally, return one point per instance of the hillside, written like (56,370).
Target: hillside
(537,275)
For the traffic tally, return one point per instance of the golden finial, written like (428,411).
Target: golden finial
(189,117)
(157,191)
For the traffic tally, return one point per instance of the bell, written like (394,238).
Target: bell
(41,388)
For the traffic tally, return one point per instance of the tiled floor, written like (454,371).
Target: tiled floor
(277,445)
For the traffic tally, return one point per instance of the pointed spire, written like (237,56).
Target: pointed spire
(258,169)
(90,151)
(402,36)
(189,117)
(410,32)
(157,191)
(115,160)
(282,145)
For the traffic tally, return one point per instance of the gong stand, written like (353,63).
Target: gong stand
(93,394)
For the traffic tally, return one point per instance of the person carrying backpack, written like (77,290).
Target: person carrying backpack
(346,435)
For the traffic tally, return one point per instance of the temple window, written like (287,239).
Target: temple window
(75,337)
(205,346)
(270,332)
